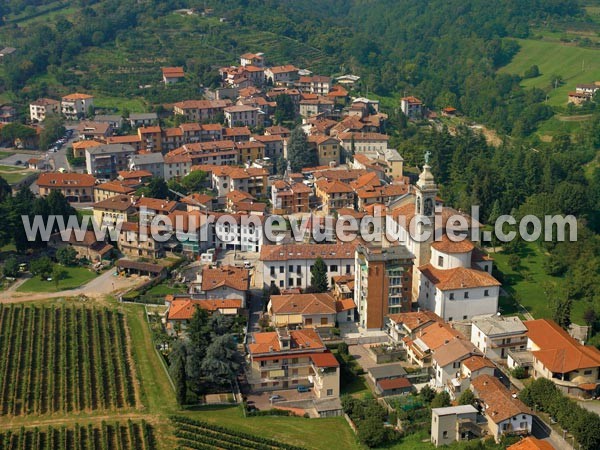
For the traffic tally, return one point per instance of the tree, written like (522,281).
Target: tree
(42,267)
(5,189)
(222,361)
(58,274)
(299,153)
(466,398)
(178,373)
(532,72)
(157,188)
(67,256)
(343,349)
(16,131)
(318,276)
(372,432)
(561,310)
(427,394)
(441,400)
(193,181)
(590,317)
(285,109)
(11,267)
(53,130)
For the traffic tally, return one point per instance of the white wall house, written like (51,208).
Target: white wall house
(494,336)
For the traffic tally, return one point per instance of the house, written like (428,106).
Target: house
(505,413)
(273,145)
(79,147)
(172,75)
(310,107)
(574,368)
(495,335)
(447,358)
(405,324)
(531,443)
(98,131)
(110,189)
(420,348)
(327,149)
(142,119)
(589,88)
(453,423)
(308,310)
(389,379)
(242,115)
(288,266)
(181,309)
(288,197)
(140,242)
(285,359)
(225,282)
(114,210)
(132,140)
(252,59)
(278,131)
(106,161)
(150,138)
(316,84)
(134,178)
(114,120)
(361,142)
(75,106)
(38,164)
(281,74)
(334,195)
(154,163)
(235,231)
(412,107)
(470,368)
(76,187)
(250,180)
(43,107)
(379,195)
(8,114)
(250,151)
(200,110)
(88,248)
(383,283)
(148,208)
(129,267)
(578,98)
(192,232)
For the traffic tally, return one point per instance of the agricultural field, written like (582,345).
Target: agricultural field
(574,64)
(194,434)
(64,359)
(125,436)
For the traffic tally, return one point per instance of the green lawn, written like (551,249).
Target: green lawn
(4,154)
(76,276)
(325,434)
(528,284)
(134,105)
(561,125)
(555,58)
(164,289)
(10,168)
(14,177)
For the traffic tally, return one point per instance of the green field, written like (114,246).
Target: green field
(4,154)
(555,58)
(76,276)
(13,177)
(527,285)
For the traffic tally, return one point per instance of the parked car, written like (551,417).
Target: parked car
(301,388)
(272,398)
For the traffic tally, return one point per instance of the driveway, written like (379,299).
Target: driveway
(105,284)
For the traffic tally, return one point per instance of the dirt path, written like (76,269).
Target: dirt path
(35,421)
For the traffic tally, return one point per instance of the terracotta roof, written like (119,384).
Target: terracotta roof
(156,204)
(65,180)
(350,212)
(237,131)
(438,334)
(389,190)
(454,351)
(283,69)
(225,276)
(81,145)
(300,340)
(183,221)
(307,251)
(445,245)
(89,240)
(413,320)
(123,139)
(77,96)
(240,108)
(333,187)
(499,402)
(173,72)
(303,304)
(195,198)
(324,359)
(202,104)
(411,99)
(117,203)
(129,174)
(237,196)
(345,304)
(475,363)
(348,135)
(277,130)
(149,130)
(45,102)
(531,443)
(114,186)
(184,308)
(458,278)
(394,383)
(559,352)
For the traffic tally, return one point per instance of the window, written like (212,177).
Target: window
(464,317)
(333,268)
(308,321)
(291,268)
(272,271)
(281,269)
(290,281)
(486,293)
(466,295)
(445,434)
(449,319)
(323,320)
(347,268)
(281,283)
(329,392)
(451,296)
(441,261)
(587,372)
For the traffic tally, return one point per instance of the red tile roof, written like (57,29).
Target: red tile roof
(301,341)
(307,251)
(184,308)
(394,383)
(559,352)
(173,72)
(458,278)
(65,180)
(323,303)
(225,276)
(499,401)
(445,245)
(531,443)
(325,359)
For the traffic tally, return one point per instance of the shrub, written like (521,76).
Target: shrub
(519,373)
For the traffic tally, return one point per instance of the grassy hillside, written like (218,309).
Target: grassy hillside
(555,58)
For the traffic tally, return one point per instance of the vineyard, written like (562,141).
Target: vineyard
(63,359)
(194,434)
(105,436)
